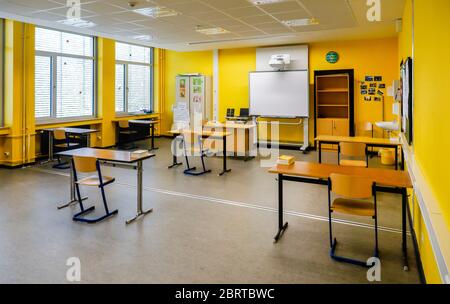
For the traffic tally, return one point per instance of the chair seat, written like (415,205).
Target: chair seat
(94,181)
(353,163)
(67,146)
(353,207)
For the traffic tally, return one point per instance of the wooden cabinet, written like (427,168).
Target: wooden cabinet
(333,103)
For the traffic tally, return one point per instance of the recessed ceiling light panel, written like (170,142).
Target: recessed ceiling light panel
(77,22)
(301,22)
(156,12)
(143,37)
(212,31)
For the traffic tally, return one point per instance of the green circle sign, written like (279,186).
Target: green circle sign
(332,57)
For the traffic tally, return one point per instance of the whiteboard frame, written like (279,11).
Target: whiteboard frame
(283,71)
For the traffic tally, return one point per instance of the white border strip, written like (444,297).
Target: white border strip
(431,214)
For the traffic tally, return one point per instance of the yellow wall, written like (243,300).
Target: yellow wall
(19,95)
(181,63)
(234,67)
(431,108)
(367,57)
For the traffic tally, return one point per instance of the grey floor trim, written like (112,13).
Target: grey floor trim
(244,205)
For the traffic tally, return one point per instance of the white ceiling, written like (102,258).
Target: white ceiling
(249,25)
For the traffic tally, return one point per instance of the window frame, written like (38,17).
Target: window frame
(126,63)
(54,81)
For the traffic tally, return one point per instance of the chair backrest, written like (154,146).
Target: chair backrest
(59,134)
(191,140)
(124,124)
(353,149)
(353,187)
(85,164)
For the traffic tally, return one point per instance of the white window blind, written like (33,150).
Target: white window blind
(43,86)
(64,75)
(134,73)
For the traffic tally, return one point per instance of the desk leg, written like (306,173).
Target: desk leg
(73,198)
(320,152)
(402,167)
(153,138)
(140,211)
(175,162)
(404,228)
(396,157)
(281,225)
(50,149)
(224,170)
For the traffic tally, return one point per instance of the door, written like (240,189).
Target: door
(341,127)
(324,126)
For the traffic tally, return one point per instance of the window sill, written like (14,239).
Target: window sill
(120,116)
(67,122)
(4,130)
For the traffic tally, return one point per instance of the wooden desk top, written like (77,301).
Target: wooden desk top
(204,133)
(107,155)
(358,139)
(229,125)
(382,177)
(73,130)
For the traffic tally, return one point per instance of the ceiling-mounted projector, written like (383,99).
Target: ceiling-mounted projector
(280,61)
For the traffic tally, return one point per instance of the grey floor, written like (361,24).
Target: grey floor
(205,229)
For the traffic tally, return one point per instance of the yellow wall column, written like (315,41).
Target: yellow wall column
(18,147)
(106,92)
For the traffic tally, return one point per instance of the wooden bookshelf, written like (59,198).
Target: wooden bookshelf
(334,103)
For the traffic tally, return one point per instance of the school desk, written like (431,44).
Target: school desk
(150,123)
(204,134)
(242,137)
(388,181)
(123,159)
(69,131)
(369,141)
(146,122)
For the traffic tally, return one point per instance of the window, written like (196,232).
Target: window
(134,78)
(64,75)
(1,72)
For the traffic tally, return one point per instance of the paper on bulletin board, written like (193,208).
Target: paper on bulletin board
(181,112)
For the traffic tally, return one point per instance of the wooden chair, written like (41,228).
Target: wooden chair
(90,165)
(353,192)
(354,150)
(126,134)
(193,146)
(61,142)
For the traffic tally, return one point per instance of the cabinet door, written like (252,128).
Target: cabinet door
(341,127)
(324,126)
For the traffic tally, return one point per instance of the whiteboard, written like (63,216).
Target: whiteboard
(279,94)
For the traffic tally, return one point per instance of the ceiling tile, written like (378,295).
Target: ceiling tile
(36,4)
(227,4)
(281,7)
(244,12)
(291,15)
(257,19)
